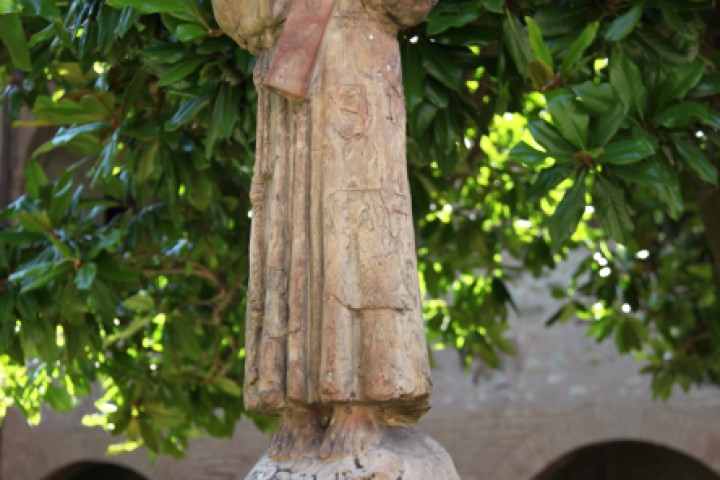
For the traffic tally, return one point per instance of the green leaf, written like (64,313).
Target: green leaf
(62,195)
(200,192)
(140,302)
(446,16)
(624,24)
(708,86)
(66,135)
(150,437)
(537,43)
(677,53)
(440,66)
(189,31)
(177,72)
(517,42)
(34,178)
(186,112)
(13,36)
(601,328)
(540,74)
(676,22)
(58,398)
(571,124)
(10,6)
(627,151)
(548,138)
(228,386)
(611,209)
(86,276)
(696,159)
(607,126)
(42,277)
(183,338)
(627,80)
(28,271)
(7,305)
(681,114)
(146,165)
(669,190)
(65,112)
(495,6)
(35,221)
(685,77)
(19,238)
(151,6)
(645,172)
(562,20)
(597,99)
(563,222)
(223,118)
(422,117)
(578,47)
(527,154)
(128,330)
(436,93)
(413,75)
(629,334)
(42,8)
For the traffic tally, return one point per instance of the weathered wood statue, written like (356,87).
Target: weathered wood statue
(335,342)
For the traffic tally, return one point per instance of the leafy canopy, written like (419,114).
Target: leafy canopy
(536,129)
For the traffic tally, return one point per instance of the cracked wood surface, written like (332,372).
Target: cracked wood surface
(334,310)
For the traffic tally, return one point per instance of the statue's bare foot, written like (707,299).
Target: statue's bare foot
(352,430)
(298,434)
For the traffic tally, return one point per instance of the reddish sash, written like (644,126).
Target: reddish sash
(298,46)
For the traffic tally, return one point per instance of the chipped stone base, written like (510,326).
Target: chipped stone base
(403,453)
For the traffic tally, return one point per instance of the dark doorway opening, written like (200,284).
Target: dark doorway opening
(95,471)
(626,461)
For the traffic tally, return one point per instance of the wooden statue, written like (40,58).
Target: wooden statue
(335,340)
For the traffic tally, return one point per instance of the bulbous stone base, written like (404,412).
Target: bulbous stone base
(403,453)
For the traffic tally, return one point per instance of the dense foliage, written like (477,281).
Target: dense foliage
(537,128)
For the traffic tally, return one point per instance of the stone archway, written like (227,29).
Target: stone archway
(94,471)
(658,425)
(626,460)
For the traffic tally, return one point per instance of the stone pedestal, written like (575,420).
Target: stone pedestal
(403,453)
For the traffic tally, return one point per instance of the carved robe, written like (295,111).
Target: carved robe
(334,309)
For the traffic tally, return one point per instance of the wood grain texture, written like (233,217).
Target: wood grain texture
(335,310)
(335,340)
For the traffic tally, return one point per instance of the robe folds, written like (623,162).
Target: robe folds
(334,310)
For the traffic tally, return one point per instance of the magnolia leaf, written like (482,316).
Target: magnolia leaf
(563,222)
(537,44)
(140,302)
(545,135)
(627,151)
(13,36)
(624,24)
(34,178)
(86,276)
(696,159)
(578,47)
(628,83)
(570,122)
(611,209)
(228,386)
(189,31)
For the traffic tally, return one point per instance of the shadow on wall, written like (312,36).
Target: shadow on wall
(94,471)
(626,460)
